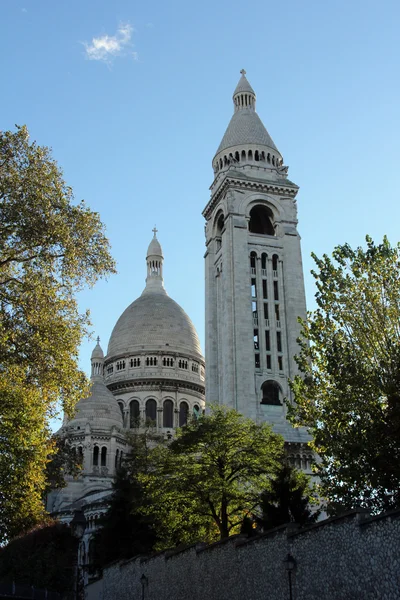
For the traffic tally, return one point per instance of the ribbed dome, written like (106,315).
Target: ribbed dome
(246,127)
(152,322)
(154,248)
(100,410)
(97,350)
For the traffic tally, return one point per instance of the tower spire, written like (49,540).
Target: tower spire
(154,261)
(97,361)
(244,97)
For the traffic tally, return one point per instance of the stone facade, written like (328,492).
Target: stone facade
(353,557)
(254,274)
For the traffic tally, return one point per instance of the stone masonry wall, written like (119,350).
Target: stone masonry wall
(353,557)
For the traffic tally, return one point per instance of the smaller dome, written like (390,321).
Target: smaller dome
(243,86)
(97,350)
(154,248)
(100,410)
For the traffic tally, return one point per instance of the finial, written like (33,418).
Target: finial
(98,339)
(155,230)
(243,72)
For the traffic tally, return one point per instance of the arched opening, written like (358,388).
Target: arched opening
(196,411)
(263,261)
(121,408)
(256,156)
(151,410)
(103,456)
(271,393)
(95,456)
(237,158)
(261,220)
(134,414)
(91,552)
(253,262)
(116,459)
(220,223)
(183,413)
(275,259)
(250,155)
(243,154)
(168,413)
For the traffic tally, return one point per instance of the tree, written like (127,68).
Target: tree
(125,531)
(210,476)
(348,393)
(287,500)
(49,249)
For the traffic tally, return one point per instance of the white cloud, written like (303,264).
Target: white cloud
(108,47)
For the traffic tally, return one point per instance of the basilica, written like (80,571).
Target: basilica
(154,371)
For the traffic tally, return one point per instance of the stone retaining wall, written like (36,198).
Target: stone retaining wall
(352,557)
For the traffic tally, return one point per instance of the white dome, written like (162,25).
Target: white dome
(154,322)
(100,410)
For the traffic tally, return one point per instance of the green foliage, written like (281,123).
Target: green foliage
(348,391)
(287,500)
(203,484)
(125,531)
(63,461)
(49,249)
(44,557)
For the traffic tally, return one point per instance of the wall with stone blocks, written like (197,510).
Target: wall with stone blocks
(352,557)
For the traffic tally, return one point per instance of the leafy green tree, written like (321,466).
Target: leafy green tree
(125,531)
(49,249)
(204,483)
(287,500)
(348,392)
(64,460)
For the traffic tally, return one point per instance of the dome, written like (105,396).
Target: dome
(154,248)
(152,322)
(246,127)
(97,350)
(100,410)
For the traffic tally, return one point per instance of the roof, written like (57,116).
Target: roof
(152,322)
(100,409)
(154,248)
(246,127)
(243,86)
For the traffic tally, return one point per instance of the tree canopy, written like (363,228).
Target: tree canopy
(50,248)
(348,390)
(204,483)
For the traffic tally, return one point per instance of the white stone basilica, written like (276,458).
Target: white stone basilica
(154,369)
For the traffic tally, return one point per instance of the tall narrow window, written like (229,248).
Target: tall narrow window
(257,361)
(276,291)
(103,456)
(275,259)
(116,459)
(277,312)
(266,311)
(264,265)
(151,410)
(255,339)
(253,288)
(279,341)
(268,361)
(265,291)
(253,262)
(168,413)
(183,413)
(134,414)
(267,341)
(95,456)
(280,363)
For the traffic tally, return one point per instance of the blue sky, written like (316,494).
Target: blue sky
(134,99)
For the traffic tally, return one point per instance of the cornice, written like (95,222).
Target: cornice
(154,384)
(268,187)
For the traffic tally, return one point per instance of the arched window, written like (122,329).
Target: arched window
(261,220)
(220,223)
(95,456)
(116,458)
(253,262)
(256,156)
(91,552)
(243,154)
(237,158)
(168,413)
(134,414)
(196,411)
(250,155)
(264,262)
(104,456)
(271,393)
(151,410)
(183,413)
(275,259)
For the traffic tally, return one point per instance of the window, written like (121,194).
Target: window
(183,364)
(196,411)
(195,367)
(135,362)
(168,361)
(264,262)
(266,311)
(120,365)
(168,413)
(121,408)
(267,341)
(280,363)
(103,456)
(134,414)
(183,413)
(261,218)
(255,340)
(253,263)
(151,410)
(110,369)
(116,458)
(253,288)
(277,312)
(279,341)
(268,361)
(270,393)
(265,291)
(276,292)
(275,259)
(95,456)
(257,361)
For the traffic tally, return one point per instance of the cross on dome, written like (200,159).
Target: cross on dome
(155,230)
(243,72)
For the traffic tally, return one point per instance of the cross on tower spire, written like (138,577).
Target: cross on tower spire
(243,72)
(155,230)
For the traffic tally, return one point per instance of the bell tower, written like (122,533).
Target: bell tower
(254,273)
